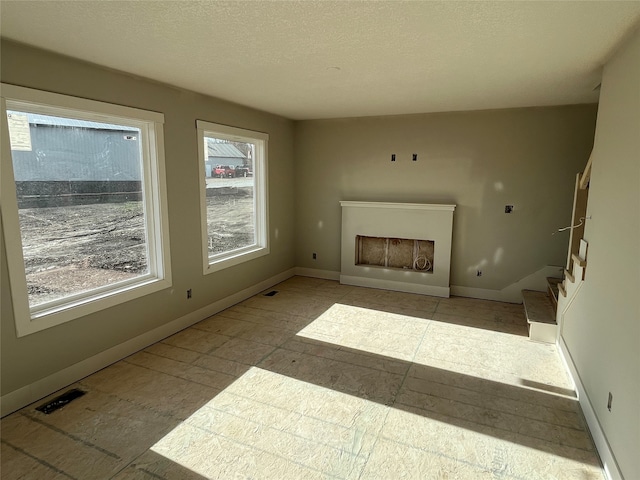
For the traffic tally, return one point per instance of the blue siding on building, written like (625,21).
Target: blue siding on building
(61,152)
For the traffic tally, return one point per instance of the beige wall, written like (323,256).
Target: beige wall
(27,359)
(480,161)
(602,327)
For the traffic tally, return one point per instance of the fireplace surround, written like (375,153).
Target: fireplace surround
(397,246)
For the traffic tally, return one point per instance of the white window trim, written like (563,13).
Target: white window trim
(72,307)
(214,263)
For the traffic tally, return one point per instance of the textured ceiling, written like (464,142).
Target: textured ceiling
(321,59)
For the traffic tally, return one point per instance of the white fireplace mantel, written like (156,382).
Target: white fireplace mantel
(398,220)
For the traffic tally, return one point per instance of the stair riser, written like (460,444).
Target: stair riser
(543,332)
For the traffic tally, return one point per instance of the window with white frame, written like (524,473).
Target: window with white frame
(233,194)
(83,205)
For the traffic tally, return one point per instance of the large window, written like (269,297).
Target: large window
(233,197)
(83,205)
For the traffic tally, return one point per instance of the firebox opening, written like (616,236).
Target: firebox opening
(397,253)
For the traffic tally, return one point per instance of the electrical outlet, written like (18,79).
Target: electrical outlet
(479,273)
(415,157)
(508,208)
(609,401)
(188,294)
(393,157)
(314,255)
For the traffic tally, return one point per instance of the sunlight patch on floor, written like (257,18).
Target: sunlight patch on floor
(269,425)
(367,330)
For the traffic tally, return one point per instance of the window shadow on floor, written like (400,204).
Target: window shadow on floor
(527,415)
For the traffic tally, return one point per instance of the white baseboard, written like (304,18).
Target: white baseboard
(607,458)
(33,392)
(396,286)
(511,293)
(316,273)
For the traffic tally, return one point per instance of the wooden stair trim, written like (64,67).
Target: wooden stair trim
(553,289)
(586,175)
(569,277)
(578,261)
(562,290)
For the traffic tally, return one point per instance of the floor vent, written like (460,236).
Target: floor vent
(271,293)
(60,401)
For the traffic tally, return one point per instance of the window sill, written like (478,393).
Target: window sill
(48,317)
(217,263)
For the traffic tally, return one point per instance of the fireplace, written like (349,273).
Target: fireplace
(397,246)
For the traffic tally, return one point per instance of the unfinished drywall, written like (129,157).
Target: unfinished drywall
(30,358)
(602,327)
(480,161)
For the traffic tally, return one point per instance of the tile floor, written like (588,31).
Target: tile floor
(321,380)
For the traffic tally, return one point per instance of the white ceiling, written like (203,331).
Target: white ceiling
(322,59)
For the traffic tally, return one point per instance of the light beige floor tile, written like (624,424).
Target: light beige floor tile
(393,460)
(222,325)
(530,463)
(268,334)
(315,287)
(491,399)
(163,393)
(243,351)
(363,382)
(353,356)
(473,311)
(463,334)
(196,340)
(489,449)
(174,353)
(367,330)
(515,308)
(292,303)
(431,433)
(408,312)
(288,321)
(347,317)
(15,465)
(310,400)
(352,440)
(214,456)
(517,328)
(412,301)
(301,283)
(153,466)
(489,381)
(106,423)
(264,437)
(186,371)
(520,358)
(61,451)
(218,364)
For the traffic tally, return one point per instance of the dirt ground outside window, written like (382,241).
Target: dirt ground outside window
(77,248)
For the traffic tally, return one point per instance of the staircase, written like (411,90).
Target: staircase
(545,310)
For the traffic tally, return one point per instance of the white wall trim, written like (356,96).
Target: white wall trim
(407,287)
(33,392)
(317,273)
(611,469)
(511,293)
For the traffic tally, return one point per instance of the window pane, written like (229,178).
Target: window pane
(229,175)
(80,203)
